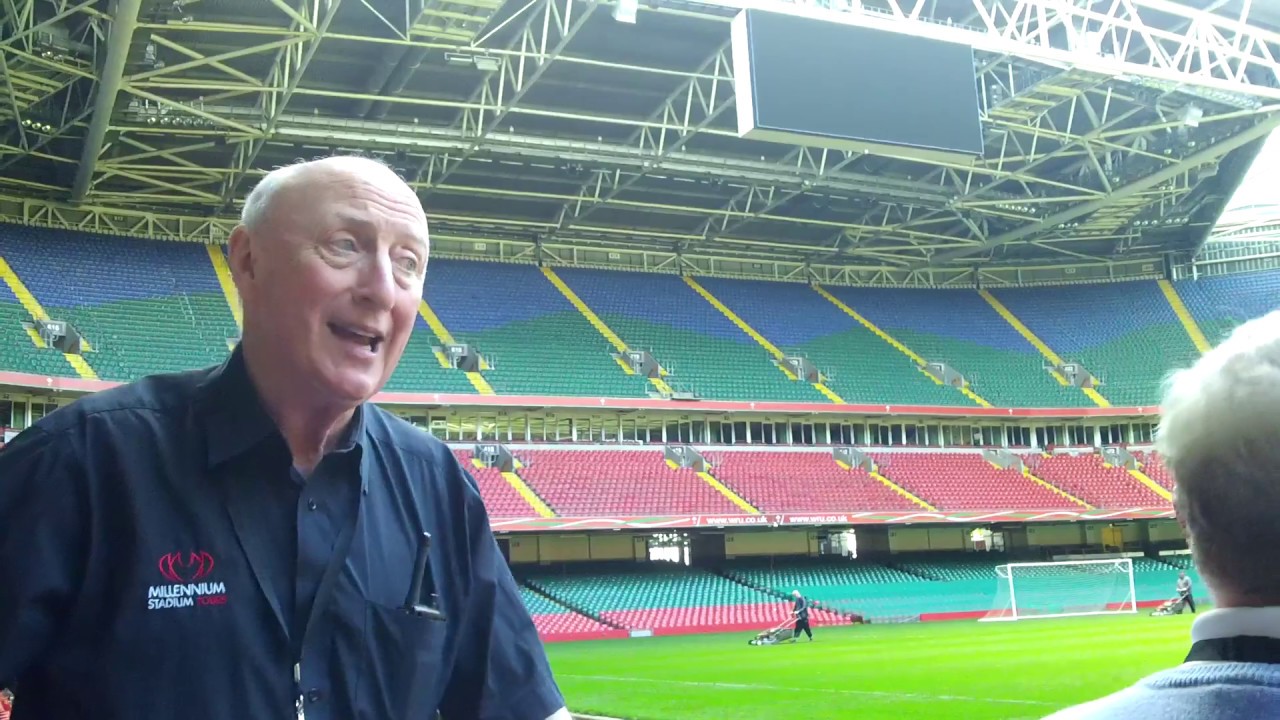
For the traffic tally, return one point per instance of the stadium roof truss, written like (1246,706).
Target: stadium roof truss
(1115,129)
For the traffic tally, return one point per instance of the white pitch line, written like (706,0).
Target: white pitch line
(922,697)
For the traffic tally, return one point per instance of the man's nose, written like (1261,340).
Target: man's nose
(378,282)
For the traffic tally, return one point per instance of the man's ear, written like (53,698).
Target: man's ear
(240,256)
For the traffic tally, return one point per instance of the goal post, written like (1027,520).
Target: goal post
(1063,589)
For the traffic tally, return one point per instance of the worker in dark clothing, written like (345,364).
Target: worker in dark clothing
(242,541)
(801,611)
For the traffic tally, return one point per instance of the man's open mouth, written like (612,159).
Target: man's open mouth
(361,336)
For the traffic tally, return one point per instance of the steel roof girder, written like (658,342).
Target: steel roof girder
(708,104)
(559,25)
(288,69)
(1213,152)
(592,154)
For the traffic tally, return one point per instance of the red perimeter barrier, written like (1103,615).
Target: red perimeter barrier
(976,614)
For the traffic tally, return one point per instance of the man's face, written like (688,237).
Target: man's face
(334,278)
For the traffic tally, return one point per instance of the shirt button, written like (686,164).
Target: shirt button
(314,696)
(312,505)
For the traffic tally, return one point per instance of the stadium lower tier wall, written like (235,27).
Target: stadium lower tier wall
(709,546)
(543,549)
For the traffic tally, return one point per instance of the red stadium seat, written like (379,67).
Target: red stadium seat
(584,483)
(803,482)
(966,481)
(500,499)
(1154,468)
(1087,477)
(568,623)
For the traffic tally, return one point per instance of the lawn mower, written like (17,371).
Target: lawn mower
(1173,606)
(777,634)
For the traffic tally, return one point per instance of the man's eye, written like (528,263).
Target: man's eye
(410,263)
(344,245)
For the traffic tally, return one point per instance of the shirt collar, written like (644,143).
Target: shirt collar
(1236,622)
(235,420)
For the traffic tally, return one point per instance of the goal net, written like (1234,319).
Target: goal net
(1063,589)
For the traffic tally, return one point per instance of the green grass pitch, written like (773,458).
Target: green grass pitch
(939,671)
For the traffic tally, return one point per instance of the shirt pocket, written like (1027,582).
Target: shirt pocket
(406,666)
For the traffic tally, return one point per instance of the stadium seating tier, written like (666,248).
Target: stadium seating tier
(860,366)
(803,482)
(959,328)
(538,342)
(700,347)
(1221,303)
(967,481)
(420,371)
(500,499)
(17,350)
(1089,478)
(1125,333)
(148,306)
(1153,467)
(144,306)
(581,483)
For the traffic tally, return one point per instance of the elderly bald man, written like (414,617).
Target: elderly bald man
(1220,437)
(241,541)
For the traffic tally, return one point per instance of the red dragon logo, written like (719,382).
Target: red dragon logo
(197,566)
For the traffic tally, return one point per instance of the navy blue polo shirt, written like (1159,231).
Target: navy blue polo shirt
(160,557)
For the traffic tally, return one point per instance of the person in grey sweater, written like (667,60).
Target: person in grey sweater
(1220,437)
(1184,590)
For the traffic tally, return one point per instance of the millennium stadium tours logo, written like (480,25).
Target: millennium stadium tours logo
(190,584)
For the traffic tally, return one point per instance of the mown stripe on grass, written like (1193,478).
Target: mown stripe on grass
(921,697)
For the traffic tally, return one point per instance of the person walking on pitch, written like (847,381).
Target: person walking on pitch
(801,611)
